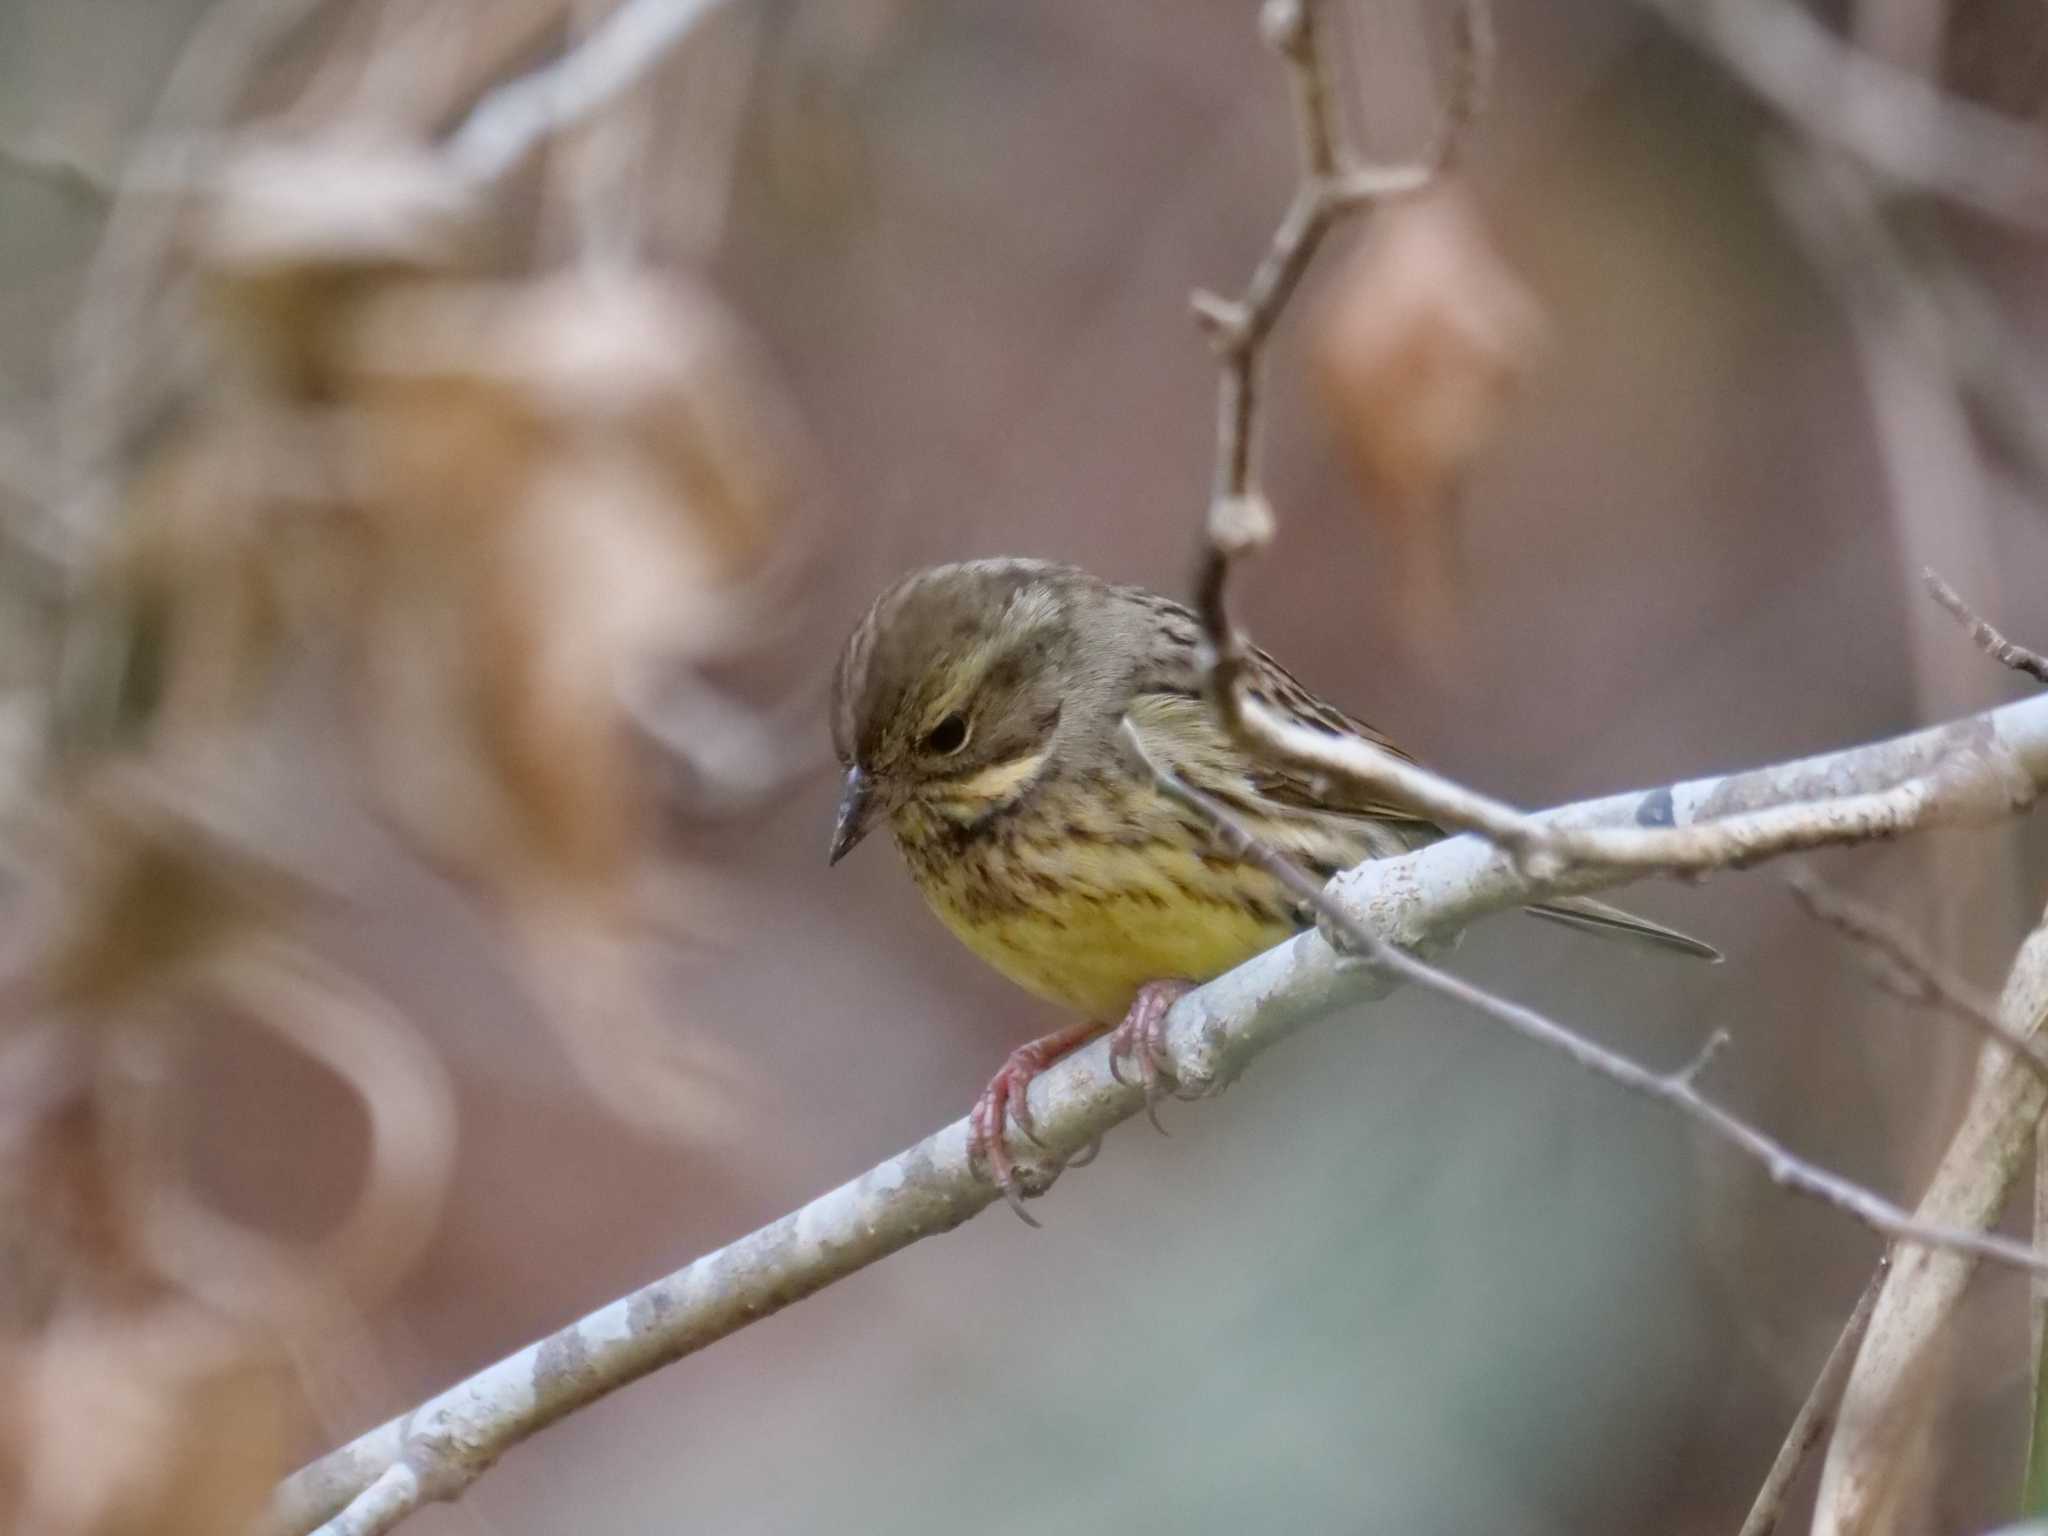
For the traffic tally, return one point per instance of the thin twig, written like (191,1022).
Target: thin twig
(1239,522)
(1905,969)
(1674,1089)
(2005,652)
(1543,847)
(1330,188)
(1815,1418)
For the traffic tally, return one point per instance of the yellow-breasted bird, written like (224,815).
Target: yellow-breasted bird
(978,707)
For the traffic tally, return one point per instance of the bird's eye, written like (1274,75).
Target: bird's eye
(948,736)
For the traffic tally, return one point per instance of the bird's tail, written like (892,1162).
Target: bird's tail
(1596,917)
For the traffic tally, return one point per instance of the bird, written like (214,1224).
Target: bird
(977,709)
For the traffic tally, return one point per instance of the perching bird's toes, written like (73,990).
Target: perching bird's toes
(1007,1100)
(1142,1038)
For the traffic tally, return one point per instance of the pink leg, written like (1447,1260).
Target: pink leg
(1142,1038)
(1007,1098)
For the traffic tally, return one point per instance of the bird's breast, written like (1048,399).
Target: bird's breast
(1084,905)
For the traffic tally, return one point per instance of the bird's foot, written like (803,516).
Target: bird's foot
(1008,1098)
(1142,1038)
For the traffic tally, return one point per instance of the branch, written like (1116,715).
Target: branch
(1675,1090)
(1907,971)
(1815,1418)
(1239,520)
(396,1493)
(1885,1395)
(932,1187)
(2005,652)
(1329,189)
(1733,839)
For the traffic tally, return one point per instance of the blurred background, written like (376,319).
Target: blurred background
(419,597)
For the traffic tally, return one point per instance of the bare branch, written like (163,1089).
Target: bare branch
(1673,1089)
(1469,877)
(1330,188)
(1815,1418)
(1907,971)
(1239,521)
(1955,792)
(1545,848)
(2008,653)
(1211,1035)
(1886,1394)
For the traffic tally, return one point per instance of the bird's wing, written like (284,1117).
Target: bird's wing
(1325,830)
(1273,685)
(1170,711)
(1181,732)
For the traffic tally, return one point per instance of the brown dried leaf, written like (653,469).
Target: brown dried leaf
(163,1421)
(1419,345)
(658,369)
(288,236)
(580,478)
(576,480)
(139,898)
(1417,352)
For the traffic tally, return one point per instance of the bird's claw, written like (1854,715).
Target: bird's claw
(986,1140)
(1006,1101)
(1142,1038)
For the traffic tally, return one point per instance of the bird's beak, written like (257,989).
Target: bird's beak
(856,805)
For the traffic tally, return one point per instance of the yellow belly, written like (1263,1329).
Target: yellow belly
(1087,942)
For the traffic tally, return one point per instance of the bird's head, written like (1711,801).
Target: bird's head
(951,690)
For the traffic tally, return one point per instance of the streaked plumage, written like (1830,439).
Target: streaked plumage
(1035,839)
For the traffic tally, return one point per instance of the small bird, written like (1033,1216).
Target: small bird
(978,708)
